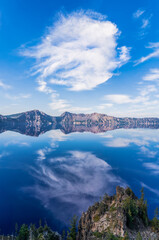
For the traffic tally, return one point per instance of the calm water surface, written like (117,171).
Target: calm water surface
(54,176)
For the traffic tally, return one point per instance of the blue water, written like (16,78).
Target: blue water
(54,176)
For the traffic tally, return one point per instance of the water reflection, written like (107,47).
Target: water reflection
(56,176)
(74,181)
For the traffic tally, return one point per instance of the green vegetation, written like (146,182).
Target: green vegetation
(98,234)
(108,236)
(126,236)
(155,222)
(31,232)
(23,233)
(72,233)
(139,236)
(96,218)
(131,210)
(103,207)
(142,209)
(134,209)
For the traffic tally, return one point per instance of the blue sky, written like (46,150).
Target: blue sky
(80,56)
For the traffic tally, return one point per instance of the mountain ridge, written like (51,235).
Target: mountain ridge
(75,114)
(36,122)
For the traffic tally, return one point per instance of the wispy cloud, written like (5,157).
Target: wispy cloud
(153,54)
(17,97)
(153,190)
(146,96)
(153,75)
(123,99)
(79,51)
(145,22)
(60,105)
(138,13)
(148,152)
(4,86)
(144,19)
(154,167)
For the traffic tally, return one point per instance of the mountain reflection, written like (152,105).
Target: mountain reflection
(36,129)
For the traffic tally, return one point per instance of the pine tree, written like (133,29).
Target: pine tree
(143,208)
(155,221)
(23,233)
(71,235)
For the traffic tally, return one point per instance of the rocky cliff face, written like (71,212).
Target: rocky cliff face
(122,214)
(35,123)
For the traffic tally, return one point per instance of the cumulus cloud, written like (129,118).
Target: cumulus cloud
(153,54)
(79,51)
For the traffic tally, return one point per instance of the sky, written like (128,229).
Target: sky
(80,56)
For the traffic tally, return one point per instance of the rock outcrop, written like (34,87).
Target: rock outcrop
(120,215)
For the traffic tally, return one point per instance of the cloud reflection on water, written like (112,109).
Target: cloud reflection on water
(69,184)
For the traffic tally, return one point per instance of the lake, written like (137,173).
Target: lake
(56,175)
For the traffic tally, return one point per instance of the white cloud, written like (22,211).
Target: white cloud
(148,152)
(153,75)
(79,51)
(138,13)
(153,190)
(123,99)
(60,105)
(147,96)
(154,54)
(118,142)
(105,105)
(145,22)
(17,97)
(125,142)
(148,90)
(153,167)
(118,98)
(42,153)
(4,86)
